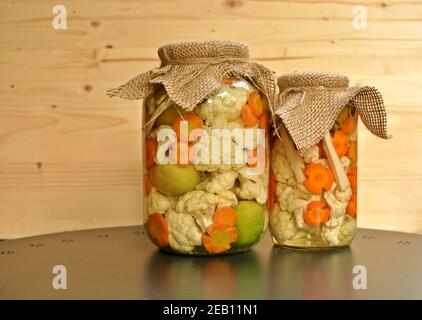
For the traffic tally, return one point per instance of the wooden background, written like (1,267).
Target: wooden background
(70,156)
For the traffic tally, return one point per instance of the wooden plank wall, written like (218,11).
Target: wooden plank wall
(70,156)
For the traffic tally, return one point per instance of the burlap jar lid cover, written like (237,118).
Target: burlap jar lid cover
(192,71)
(310,102)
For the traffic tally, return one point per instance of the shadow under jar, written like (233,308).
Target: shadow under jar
(206,159)
(314,163)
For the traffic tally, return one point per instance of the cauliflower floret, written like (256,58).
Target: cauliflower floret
(337,207)
(253,187)
(285,197)
(227,101)
(221,122)
(312,155)
(184,233)
(282,224)
(299,207)
(158,202)
(331,234)
(226,199)
(280,165)
(217,146)
(197,201)
(347,230)
(220,182)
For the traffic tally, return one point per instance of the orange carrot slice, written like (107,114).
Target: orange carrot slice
(157,230)
(340,143)
(194,122)
(352,153)
(272,184)
(351,208)
(148,184)
(316,213)
(249,119)
(348,126)
(316,178)
(220,237)
(352,174)
(225,215)
(255,104)
(150,151)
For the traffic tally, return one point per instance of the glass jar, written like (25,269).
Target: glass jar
(314,195)
(206,170)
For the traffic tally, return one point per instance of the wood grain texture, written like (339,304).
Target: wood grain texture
(70,156)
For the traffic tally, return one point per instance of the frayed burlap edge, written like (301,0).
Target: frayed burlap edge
(309,112)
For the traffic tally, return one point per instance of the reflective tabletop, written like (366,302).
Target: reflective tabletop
(121,263)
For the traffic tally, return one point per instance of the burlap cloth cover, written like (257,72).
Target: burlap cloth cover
(309,103)
(192,71)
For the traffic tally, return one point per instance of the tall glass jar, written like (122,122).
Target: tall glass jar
(315,194)
(206,170)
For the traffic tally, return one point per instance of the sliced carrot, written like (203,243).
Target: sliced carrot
(230,80)
(248,117)
(150,151)
(348,126)
(351,208)
(194,122)
(352,174)
(219,238)
(157,230)
(330,179)
(352,153)
(272,184)
(340,143)
(225,215)
(316,178)
(148,184)
(316,213)
(255,104)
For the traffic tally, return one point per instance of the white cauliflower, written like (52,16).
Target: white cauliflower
(282,224)
(226,199)
(221,122)
(285,197)
(280,164)
(311,155)
(299,207)
(213,157)
(227,101)
(337,207)
(331,234)
(253,187)
(158,202)
(184,233)
(197,201)
(337,202)
(347,230)
(220,182)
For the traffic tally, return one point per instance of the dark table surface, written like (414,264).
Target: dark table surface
(120,263)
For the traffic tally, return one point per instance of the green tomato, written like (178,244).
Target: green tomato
(249,223)
(173,180)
